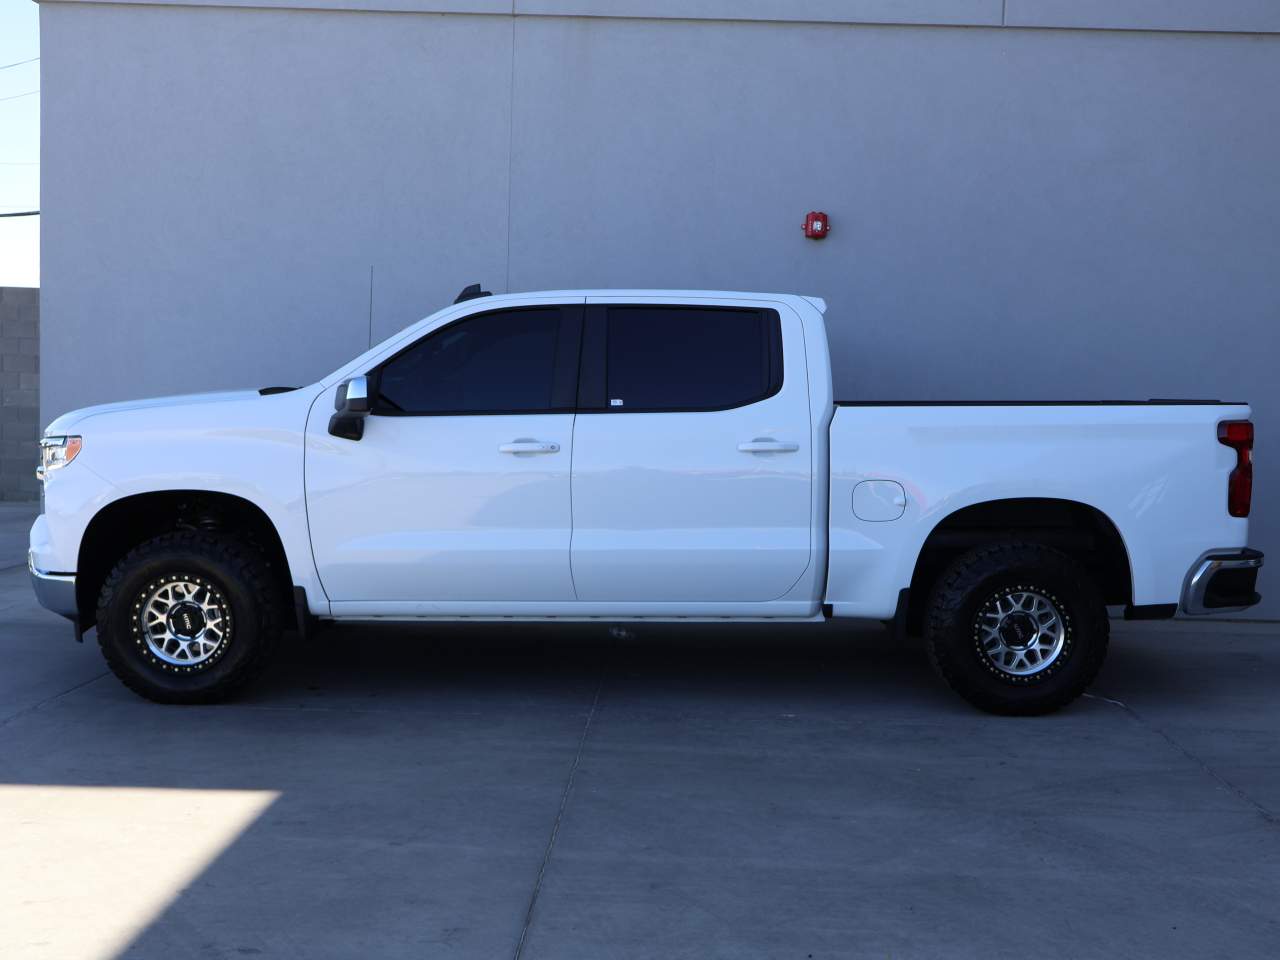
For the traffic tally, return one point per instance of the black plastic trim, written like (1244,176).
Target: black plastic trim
(473,292)
(900,615)
(302,613)
(1241,602)
(1150,611)
(591,373)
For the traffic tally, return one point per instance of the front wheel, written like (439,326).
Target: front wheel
(1017,628)
(188,617)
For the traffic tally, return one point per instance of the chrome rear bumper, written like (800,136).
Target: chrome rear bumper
(1222,581)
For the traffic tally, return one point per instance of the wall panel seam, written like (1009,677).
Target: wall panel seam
(1212,21)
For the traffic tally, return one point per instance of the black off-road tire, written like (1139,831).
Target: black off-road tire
(247,594)
(979,578)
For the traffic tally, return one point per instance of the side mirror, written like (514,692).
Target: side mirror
(351,406)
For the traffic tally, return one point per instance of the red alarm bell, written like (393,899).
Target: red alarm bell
(817,225)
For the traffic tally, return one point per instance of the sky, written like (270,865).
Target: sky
(19,144)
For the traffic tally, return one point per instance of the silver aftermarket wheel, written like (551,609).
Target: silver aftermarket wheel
(1021,632)
(184,622)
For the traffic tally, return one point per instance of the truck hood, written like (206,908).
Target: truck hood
(67,421)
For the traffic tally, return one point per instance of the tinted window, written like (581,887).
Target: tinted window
(502,362)
(682,358)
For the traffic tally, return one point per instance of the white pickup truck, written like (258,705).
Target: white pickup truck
(632,455)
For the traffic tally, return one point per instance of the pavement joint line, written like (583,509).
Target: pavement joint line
(47,700)
(1239,793)
(555,828)
(304,708)
(1098,696)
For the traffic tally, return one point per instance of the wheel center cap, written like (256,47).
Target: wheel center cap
(186,620)
(1018,630)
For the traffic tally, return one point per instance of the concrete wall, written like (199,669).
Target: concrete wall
(19,392)
(1020,211)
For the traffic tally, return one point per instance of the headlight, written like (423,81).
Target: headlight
(57,452)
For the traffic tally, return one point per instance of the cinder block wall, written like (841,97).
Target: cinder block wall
(19,392)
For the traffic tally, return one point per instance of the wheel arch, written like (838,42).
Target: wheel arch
(123,524)
(1079,529)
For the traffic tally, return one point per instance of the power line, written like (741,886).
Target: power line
(24,213)
(19,63)
(29,93)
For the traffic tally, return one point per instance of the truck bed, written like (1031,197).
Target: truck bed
(1154,469)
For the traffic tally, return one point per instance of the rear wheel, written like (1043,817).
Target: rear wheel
(1017,628)
(188,617)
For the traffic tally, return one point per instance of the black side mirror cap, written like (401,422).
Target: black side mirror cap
(346,426)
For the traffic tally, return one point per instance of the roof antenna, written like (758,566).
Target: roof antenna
(370,306)
(472,292)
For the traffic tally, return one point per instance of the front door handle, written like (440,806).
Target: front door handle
(768,445)
(529,446)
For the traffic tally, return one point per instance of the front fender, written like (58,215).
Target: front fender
(248,447)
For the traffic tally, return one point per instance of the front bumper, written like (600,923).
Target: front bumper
(1222,581)
(55,591)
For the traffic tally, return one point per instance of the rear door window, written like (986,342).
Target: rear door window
(660,358)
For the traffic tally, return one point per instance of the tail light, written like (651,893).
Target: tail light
(1238,435)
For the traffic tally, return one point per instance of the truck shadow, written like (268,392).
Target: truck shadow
(865,663)
(390,661)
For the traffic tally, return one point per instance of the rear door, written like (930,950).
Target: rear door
(692,468)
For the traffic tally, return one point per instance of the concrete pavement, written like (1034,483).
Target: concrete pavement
(709,793)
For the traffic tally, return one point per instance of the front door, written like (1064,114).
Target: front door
(459,491)
(693,460)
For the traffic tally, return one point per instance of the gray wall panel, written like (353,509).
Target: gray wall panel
(216,185)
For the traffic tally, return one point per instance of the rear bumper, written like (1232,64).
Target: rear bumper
(55,591)
(1222,581)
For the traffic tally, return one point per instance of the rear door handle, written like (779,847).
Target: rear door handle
(529,446)
(768,445)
